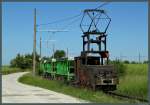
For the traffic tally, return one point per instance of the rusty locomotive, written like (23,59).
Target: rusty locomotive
(91,68)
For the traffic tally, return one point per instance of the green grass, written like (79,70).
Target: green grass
(81,93)
(8,70)
(135,81)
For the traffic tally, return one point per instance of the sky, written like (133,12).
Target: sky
(127,34)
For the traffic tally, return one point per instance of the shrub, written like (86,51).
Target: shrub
(145,62)
(133,62)
(126,62)
(119,66)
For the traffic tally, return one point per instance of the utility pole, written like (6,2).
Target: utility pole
(40,46)
(139,57)
(40,51)
(67,52)
(53,49)
(34,44)
(120,56)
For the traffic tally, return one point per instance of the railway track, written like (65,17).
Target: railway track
(122,96)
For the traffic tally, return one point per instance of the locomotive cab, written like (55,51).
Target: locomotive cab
(91,60)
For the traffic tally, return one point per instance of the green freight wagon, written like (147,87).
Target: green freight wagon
(46,67)
(58,69)
(64,69)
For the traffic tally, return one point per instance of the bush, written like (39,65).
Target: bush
(119,66)
(133,62)
(126,62)
(145,62)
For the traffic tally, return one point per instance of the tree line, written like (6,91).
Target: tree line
(26,60)
(134,62)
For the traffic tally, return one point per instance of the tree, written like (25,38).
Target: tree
(133,62)
(23,61)
(59,54)
(126,62)
(145,62)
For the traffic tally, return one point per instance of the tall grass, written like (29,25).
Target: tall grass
(137,69)
(135,81)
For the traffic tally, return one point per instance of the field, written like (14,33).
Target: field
(7,70)
(135,81)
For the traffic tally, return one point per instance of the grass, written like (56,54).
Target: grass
(135,81)
(82,93)
(8,70)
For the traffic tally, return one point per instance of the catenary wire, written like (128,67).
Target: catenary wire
(65,19)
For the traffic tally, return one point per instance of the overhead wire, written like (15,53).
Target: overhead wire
(95,8)
(62,20)
(102,5)
(69,18)
(72,22)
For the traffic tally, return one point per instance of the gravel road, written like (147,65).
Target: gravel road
(15,92)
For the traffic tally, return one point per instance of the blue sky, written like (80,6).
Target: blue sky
(127,34)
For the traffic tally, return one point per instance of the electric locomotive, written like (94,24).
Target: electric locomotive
(91,68)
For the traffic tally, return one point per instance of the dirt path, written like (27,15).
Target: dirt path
(15,92)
